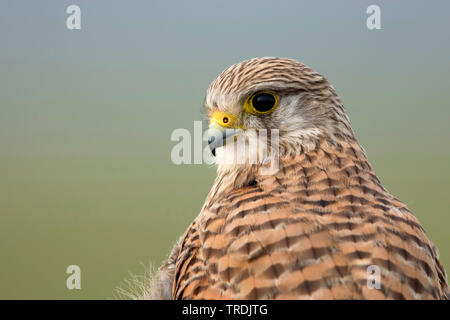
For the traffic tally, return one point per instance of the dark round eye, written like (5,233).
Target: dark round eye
(263,102)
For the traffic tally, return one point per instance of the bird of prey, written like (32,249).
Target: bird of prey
(316,227)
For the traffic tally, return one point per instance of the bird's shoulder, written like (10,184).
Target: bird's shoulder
(310,230)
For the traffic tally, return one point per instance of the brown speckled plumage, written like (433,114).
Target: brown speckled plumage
(310,230)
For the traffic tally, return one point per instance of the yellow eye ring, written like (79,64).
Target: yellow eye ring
(261,102)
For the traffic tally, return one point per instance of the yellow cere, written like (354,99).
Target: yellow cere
(224,119)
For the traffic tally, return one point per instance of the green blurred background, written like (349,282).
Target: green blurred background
(86,118)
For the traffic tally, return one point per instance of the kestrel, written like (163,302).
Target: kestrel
(321,226)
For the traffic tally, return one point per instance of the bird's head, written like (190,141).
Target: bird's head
(273,93)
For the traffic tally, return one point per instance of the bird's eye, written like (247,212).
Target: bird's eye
(261,102)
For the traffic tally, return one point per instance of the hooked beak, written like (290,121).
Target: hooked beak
(217,137)
(222,126)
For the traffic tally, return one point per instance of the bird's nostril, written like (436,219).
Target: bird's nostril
(225,120)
